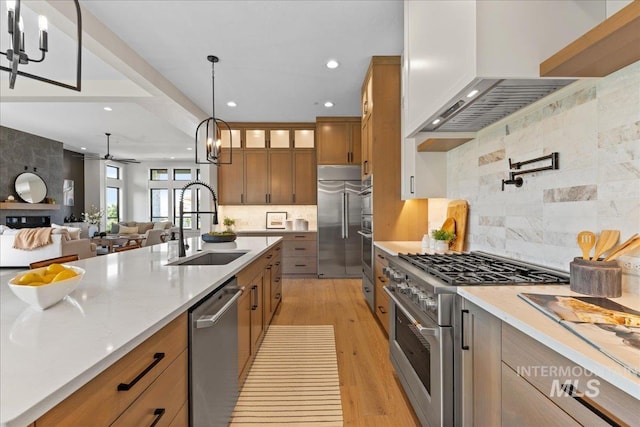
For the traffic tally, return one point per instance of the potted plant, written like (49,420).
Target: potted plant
(229,224)
(443,239)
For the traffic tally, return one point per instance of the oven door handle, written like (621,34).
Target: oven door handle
(426,332)
(363,234)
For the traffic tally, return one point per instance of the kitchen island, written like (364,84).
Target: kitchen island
(123,299)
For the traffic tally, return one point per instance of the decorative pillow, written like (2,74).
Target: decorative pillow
(128,230)
(158,226)
(2,228)
(10,231)
(115,228)
(74,232)
(63,231)
(144,226)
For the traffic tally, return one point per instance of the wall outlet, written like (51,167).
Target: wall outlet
(630,265)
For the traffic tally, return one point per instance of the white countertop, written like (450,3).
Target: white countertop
(123,299)
(504,303)
(394,248)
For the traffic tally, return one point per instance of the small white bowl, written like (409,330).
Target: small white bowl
(44,296)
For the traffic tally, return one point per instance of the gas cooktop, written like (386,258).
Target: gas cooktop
(476,268)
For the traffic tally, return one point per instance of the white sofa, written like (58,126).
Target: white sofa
(10,257)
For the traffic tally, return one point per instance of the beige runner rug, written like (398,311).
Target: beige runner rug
(293,380)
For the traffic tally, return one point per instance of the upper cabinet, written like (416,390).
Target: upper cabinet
(608,47)
(452,46)
(338,140)
(272,163)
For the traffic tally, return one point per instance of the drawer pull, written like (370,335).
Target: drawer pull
(300,249)
(278,295)
(269,256)
(299,237)
(157,358)
(159,412)
(569,389)
(380,256)
(381,308)
(301,265)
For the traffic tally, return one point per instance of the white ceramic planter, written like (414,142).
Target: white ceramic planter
(441,246)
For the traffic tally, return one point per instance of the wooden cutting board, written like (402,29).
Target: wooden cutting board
(458,210)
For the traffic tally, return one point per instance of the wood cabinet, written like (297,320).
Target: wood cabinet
(231,179)
(569,388)
(266,169)
(304,177)
(366,164)
(338,140)
(244,327)
(272,282)
(381,298)
(99,402)
(508,378)
(395,219)
(261,281)
(299,257)
(479,365)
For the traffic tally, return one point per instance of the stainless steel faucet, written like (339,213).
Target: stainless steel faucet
(182,250)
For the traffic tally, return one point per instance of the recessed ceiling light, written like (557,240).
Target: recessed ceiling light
(328,104)
(472,93)
(189,148)
(108,109)
(435,122)
(172,157)
(332,63)
(232,104)
(83,148)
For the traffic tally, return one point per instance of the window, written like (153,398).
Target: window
(182,174)
(186,223)
(159,175)
(113,172)
(113,206)
(159,204)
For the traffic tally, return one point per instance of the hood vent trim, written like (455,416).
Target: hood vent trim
(496,100)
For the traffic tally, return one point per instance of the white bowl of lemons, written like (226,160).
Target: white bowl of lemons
(43,287)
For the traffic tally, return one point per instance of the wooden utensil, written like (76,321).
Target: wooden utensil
(615,252)
(458,209)
(635,243)
(586,240)
(606,240)
(449,225)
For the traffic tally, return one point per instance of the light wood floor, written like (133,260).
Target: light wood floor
(371,395)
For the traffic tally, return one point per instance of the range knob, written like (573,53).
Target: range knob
(428,303)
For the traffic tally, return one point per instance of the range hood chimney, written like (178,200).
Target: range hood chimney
(486,101)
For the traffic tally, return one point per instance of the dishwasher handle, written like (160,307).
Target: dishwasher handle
(209,320)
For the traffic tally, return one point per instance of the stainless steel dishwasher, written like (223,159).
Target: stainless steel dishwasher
(213,357)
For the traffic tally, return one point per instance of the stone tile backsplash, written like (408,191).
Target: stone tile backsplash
(595,126)
(255,217)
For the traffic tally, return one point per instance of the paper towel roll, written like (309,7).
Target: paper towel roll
(302,224)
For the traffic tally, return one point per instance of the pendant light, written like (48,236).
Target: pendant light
(209,131)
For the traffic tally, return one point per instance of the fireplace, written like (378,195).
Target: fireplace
(31,221)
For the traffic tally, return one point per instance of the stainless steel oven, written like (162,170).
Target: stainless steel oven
(367,253)
(421,352)
(425,336)
(366,237)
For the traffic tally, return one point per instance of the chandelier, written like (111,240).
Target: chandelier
(209,131)
(17,56)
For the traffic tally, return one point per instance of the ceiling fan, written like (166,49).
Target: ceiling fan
(109,156)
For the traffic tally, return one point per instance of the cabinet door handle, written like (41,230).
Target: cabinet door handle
(380,256)
(278,295)
(254,297)
(569,389)
(159,412)
(266,198)
(411,189)
(294,197)
(156,359)
(241,198)
(381,308)
(462,344)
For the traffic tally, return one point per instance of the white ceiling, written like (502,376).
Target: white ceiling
(158,82)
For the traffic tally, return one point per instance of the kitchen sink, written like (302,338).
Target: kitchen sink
(210,258)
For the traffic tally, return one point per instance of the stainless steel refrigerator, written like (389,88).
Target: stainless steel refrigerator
(339,212)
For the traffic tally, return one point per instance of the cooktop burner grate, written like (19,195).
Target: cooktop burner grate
(480,269)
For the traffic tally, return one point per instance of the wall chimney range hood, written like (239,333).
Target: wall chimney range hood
(468,64)
(486,101)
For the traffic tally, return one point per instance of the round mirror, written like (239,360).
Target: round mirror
(30,187)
